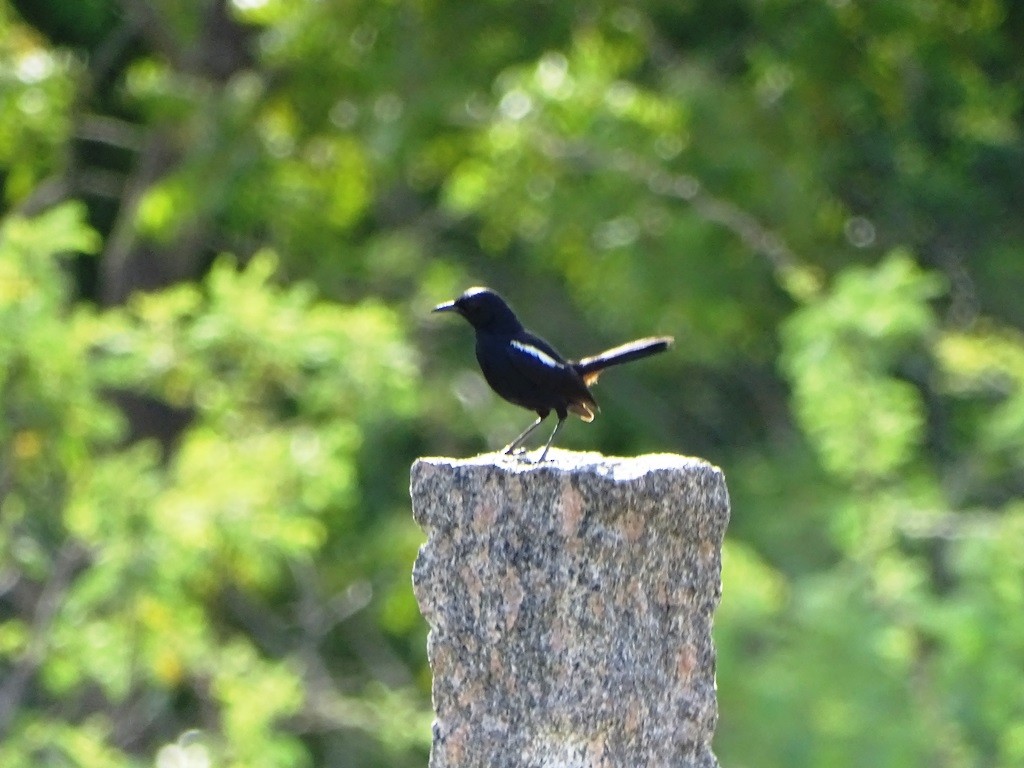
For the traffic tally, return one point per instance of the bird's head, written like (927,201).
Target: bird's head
(484,309)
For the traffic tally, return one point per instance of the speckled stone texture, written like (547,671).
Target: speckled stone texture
(570,607)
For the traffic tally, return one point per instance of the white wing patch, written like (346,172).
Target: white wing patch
(537,354)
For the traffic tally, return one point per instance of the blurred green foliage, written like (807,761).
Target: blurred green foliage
(224,224)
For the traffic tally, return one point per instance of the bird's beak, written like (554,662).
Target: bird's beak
(448,306)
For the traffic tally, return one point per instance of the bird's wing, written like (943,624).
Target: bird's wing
(536,360)
(540,363)
(538,349)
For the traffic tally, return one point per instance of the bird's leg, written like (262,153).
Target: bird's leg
(511,447)
(554,432)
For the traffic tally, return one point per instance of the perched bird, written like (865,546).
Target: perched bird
(526,370)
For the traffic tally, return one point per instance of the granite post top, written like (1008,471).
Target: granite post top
(560,460)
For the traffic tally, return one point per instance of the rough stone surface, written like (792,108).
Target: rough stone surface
(570,607)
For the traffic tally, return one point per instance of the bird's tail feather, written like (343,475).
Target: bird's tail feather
(590,367)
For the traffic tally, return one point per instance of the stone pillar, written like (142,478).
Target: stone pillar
(570,607)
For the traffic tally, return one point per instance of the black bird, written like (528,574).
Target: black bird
(526,370)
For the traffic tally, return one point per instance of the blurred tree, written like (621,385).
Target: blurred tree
(203,517)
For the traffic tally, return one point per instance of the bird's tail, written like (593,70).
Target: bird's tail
(590,367)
